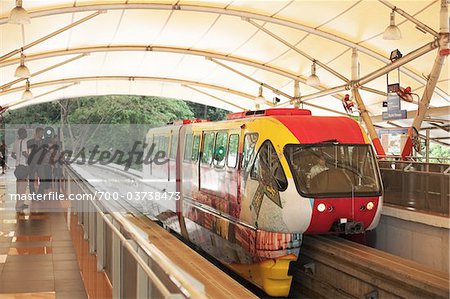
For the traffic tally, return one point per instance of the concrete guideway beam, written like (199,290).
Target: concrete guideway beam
(229,12)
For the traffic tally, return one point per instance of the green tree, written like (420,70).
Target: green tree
(207,112)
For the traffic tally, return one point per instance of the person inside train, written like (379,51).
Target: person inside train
(319,166)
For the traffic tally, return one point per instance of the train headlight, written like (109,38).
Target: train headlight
(321,207)
(370,205)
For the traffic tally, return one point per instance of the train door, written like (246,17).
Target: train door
(207,178)
(172,165)
(232,173)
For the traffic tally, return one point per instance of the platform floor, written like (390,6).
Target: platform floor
(37,257)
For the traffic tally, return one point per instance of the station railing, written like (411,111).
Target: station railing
(134,266)
(415,184)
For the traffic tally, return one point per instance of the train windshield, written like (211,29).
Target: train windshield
(331,169)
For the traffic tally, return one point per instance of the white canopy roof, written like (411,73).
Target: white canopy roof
(159,48)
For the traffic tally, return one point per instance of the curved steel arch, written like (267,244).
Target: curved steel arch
(124,48)
(137,48)
(143,78)
(229,12)
(130,78)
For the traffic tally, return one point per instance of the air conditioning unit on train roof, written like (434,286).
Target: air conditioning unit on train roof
(268,112)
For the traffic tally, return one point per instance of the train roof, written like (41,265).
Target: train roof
(304,126)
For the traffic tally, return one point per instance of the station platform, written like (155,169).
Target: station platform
(46,252)
(37,256)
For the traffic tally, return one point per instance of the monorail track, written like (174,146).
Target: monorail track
(332,267)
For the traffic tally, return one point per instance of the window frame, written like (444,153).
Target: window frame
(267,141)
(198,147)
(237,151)
(187,158)
(241,161)
(335,194)
(173,136)
(214,151)
(209,163)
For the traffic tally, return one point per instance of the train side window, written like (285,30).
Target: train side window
(188,148)
(156,142)
(233,147)
(268,167)
(195,148)
(208,148)
(250,140)
(173,146)
(163,145)
(220,149)
(148,142)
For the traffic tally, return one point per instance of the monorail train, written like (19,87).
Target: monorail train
(251,185)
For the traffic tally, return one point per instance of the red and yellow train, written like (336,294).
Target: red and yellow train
(251,185)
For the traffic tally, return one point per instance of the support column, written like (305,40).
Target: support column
(362,108)
(368,122)
(413,132)
(296,94)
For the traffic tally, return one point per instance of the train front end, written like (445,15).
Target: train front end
(334,167)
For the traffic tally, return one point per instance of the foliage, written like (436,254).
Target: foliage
(111,122)
(207,112)
(439,151)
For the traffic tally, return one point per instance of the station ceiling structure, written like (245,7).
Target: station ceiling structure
(221,52)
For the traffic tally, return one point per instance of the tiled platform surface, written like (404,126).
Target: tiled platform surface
(37,257)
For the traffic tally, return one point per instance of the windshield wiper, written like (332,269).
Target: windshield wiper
(329,141)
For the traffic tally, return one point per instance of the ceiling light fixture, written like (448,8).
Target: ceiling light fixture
(259,100)
(22,71)
(27,94)
(19,15)
(392,32)
(313,80)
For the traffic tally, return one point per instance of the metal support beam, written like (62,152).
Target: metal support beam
(213,96)
(372,90)
(410,18)
(312,59)
(130,78)
(421,136)
(70,9)
(432,81)
(276,91)
(144,48)
(41,95)
(362,108)
(324,108)
(9,84)
(171,80)
(296,94)
(378,73)
(48,36)
(427,146)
